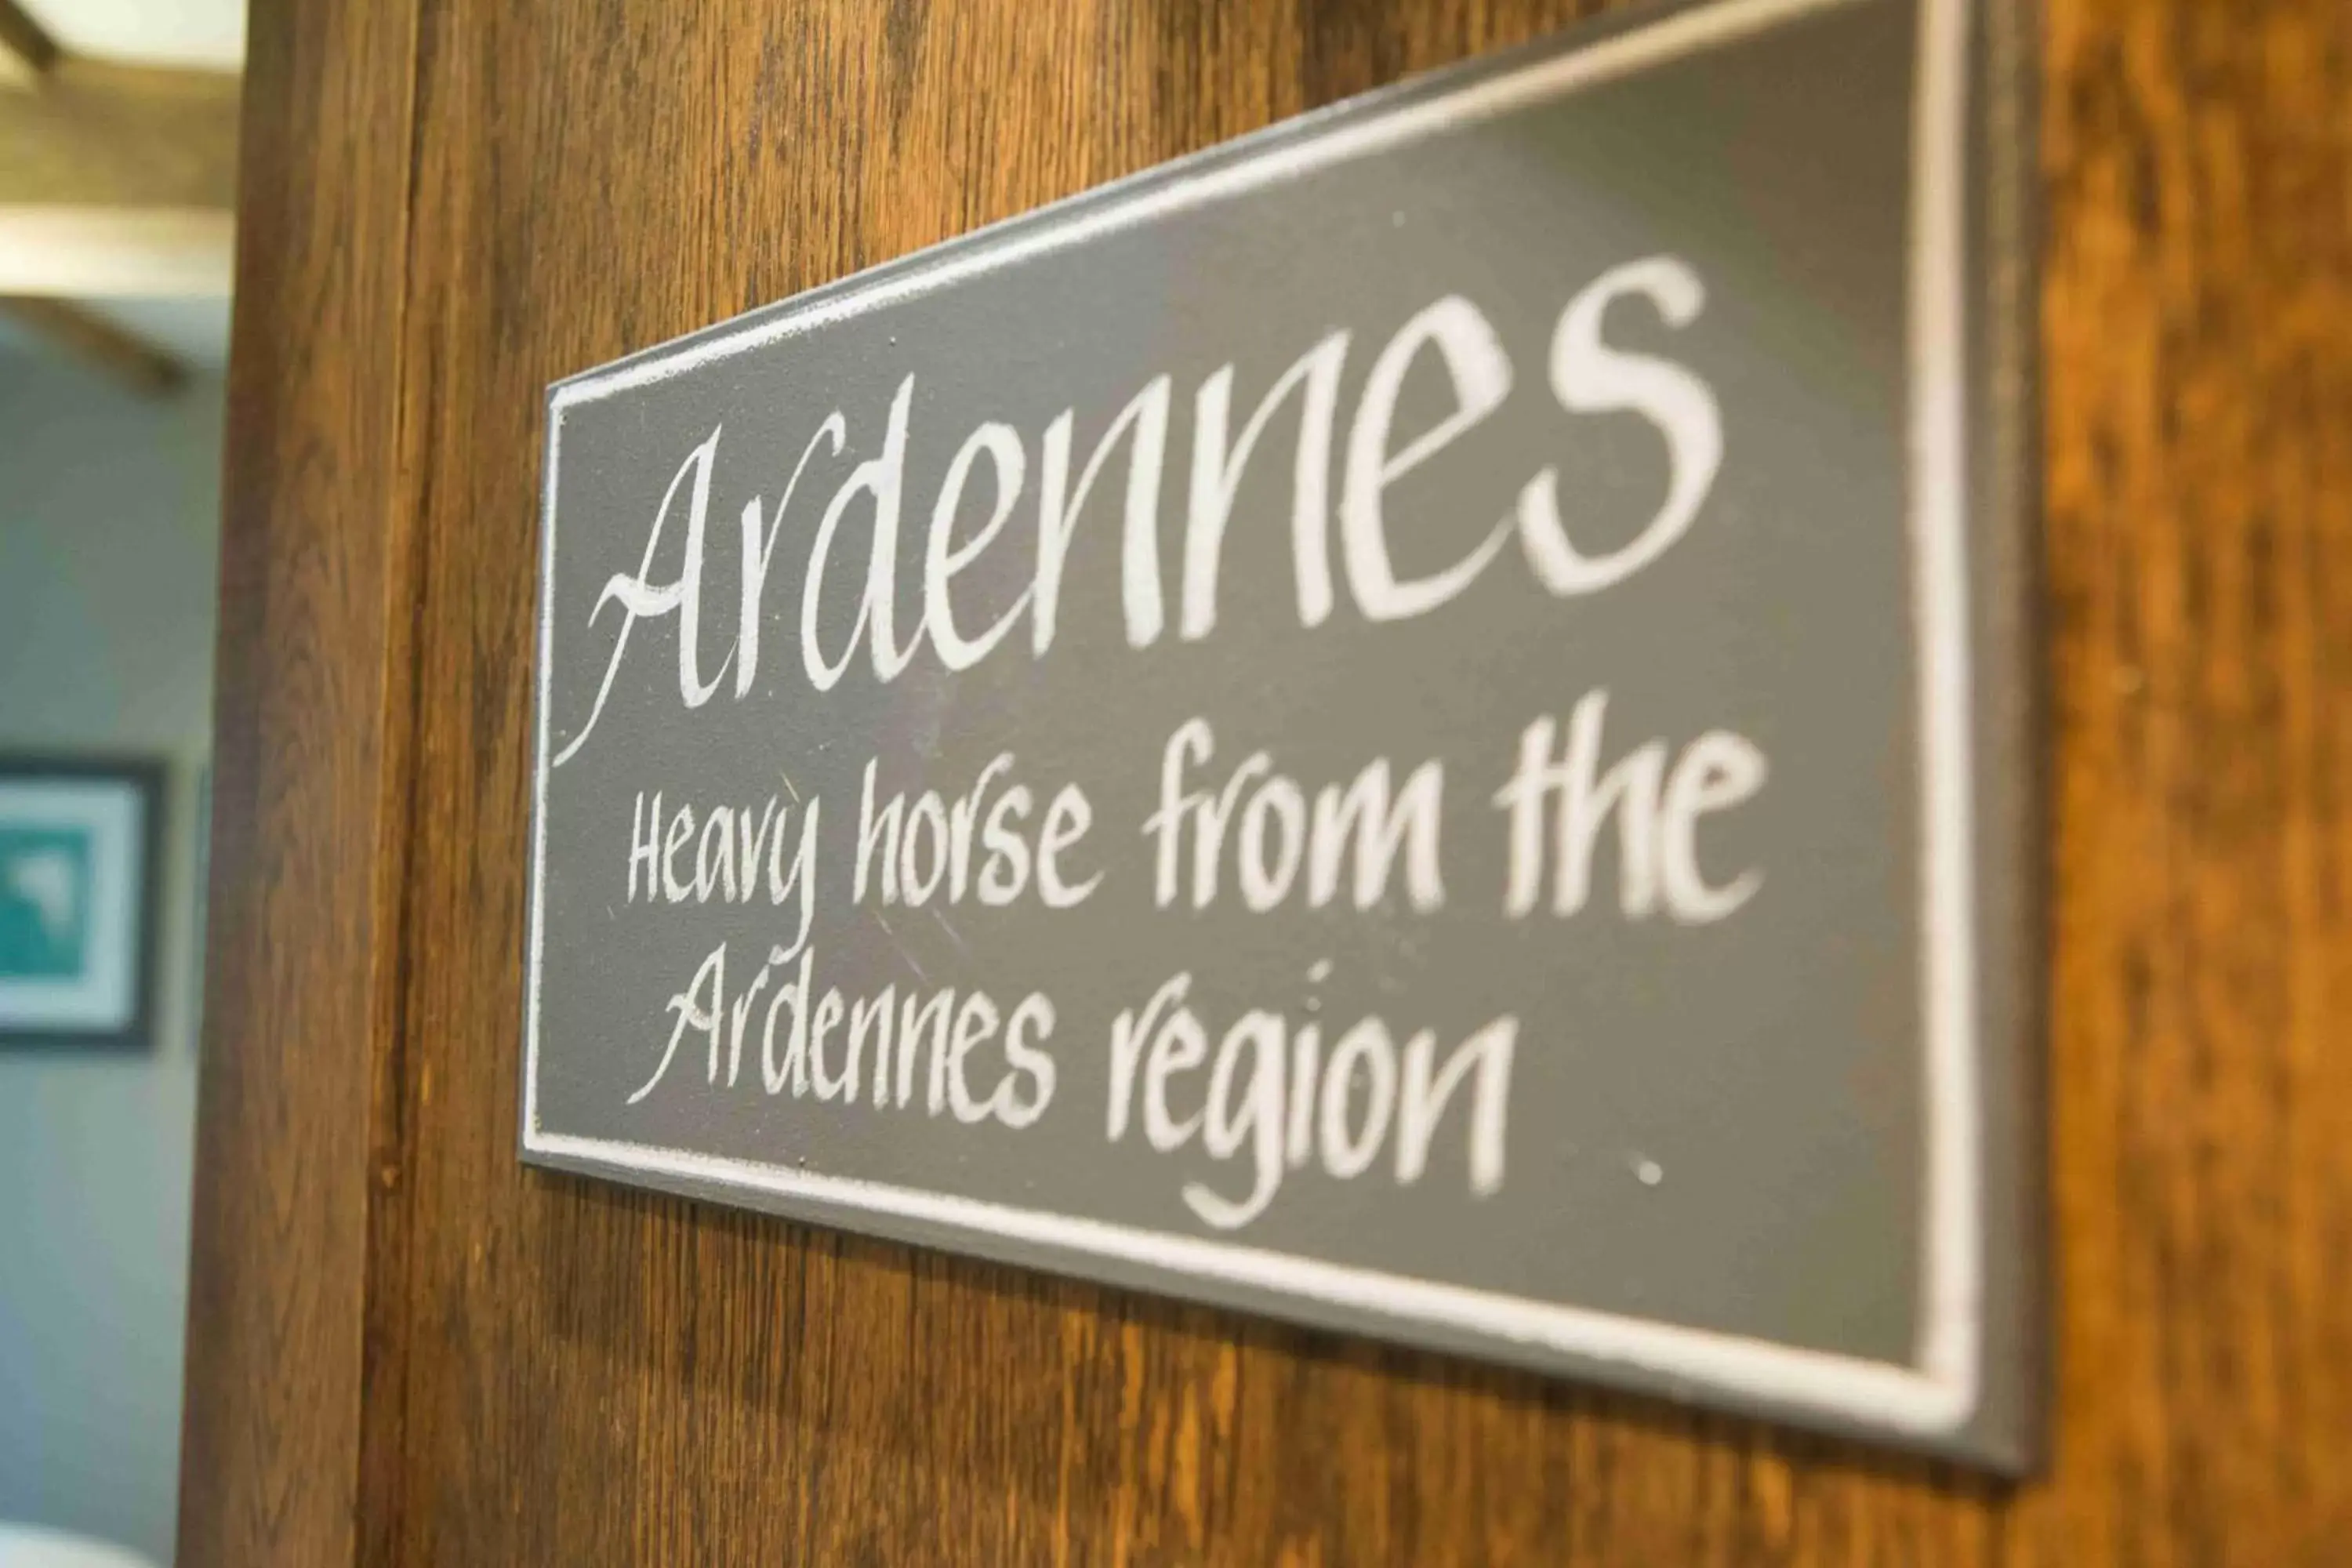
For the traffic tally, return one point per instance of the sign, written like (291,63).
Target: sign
(1411,723)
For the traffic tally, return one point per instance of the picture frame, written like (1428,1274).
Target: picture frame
(81,842)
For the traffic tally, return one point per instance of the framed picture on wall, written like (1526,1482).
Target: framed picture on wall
(80,843)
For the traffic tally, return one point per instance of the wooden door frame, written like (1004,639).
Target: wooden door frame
(301,1031)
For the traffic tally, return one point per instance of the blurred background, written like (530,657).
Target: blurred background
(117,157)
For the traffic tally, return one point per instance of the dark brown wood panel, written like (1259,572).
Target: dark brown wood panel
(2198,328)
(309,794)
(561,1372)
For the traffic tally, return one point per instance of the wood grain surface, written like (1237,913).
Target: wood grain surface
(410,1350)
(309,799)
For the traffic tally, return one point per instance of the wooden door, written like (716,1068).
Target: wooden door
(405,1348)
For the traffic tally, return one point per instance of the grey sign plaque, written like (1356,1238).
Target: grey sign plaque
(1415,723)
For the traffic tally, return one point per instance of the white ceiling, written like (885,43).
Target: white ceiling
(148,32)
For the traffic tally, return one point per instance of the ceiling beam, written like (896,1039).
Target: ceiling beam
(117,252)
(97,342)
(28,51)
(97,134)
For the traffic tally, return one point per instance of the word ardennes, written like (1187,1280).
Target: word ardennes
(1587,376)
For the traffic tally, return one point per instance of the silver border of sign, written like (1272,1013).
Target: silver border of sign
(1934,1397)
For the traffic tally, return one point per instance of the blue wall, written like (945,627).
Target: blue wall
(109,547)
